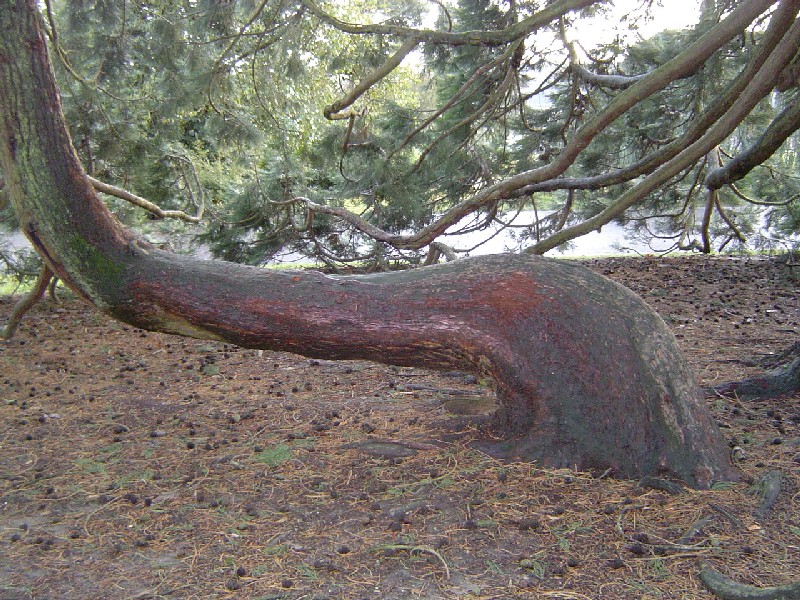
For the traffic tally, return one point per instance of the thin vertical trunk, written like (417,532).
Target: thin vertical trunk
(712,197)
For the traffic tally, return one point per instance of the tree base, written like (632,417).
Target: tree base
(781,381)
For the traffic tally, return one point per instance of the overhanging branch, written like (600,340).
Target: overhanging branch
(756,90)
(154,209)
(784,125)
(333,111)
(614,82)
(683,65)
(471,38)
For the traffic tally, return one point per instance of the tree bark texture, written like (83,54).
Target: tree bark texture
(781,381)
(587,375)
(728,589)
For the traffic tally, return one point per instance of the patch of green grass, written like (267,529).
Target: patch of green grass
(91,466)
(274,456)
(493,567)
(308,573)
(534,566)
(658,569)
(562,531)
(180,528)
(11,286)
(643,589)
(135,477)
(720,486)
(563,543)
(277,550)
(277,454)
(96,464)
(404,488)
(114,448)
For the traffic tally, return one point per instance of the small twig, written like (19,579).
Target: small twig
(694,530)
(623,510)
(94,512)
(413,548)
(734,520)
(159,212)
(51,289)
(415,387)
(606,473)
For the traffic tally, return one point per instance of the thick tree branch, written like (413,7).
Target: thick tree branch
(350,217)
(736,232)
(472,38)
(159,212)
(790,76)
(333,111)
(739,194)
(614,82)
(784,125)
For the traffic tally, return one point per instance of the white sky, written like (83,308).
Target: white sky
(673,14)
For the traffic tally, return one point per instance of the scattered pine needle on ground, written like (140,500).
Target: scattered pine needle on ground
(140,465)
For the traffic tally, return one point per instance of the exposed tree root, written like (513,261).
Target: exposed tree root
(25,304)
(784,380)
(51,289)
(770,488)
(664,485)
(727,589)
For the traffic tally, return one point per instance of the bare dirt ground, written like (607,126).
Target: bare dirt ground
(140,465)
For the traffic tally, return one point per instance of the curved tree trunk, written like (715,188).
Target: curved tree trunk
(587,375)
(728,589)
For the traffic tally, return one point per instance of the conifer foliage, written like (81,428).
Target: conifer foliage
(365,130)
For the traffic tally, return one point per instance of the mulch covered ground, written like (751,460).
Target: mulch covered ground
(140,465)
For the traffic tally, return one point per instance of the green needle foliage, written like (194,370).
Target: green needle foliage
(361,131)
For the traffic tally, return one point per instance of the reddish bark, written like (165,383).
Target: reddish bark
(586,373)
